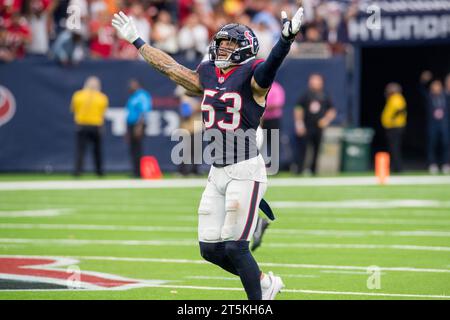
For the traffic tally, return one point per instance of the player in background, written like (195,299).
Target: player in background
(234,87)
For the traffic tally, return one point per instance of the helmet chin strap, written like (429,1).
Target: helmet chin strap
(222,64)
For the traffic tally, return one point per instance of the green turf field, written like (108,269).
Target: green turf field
(323,241)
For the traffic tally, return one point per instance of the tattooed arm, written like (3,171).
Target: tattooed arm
(159,60)
(187,78)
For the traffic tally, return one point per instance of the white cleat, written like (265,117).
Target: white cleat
(270,292)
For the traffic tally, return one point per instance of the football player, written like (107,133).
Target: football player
(234,86)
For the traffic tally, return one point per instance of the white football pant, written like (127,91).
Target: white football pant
(229,206)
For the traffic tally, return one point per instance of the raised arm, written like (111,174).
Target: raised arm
(185,77)
(265,72)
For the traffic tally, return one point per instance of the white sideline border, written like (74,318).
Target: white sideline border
(197,183)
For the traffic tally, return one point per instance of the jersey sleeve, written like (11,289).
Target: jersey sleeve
(256,63)
(201,69)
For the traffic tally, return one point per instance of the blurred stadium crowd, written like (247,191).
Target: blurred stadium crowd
(70,31)
(73,30)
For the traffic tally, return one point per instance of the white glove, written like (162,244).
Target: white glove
(125,27)
(291,27)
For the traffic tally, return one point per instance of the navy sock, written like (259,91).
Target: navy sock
(245,264)
(215,253)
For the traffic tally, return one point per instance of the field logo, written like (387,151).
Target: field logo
(74,280)
(7,105)
(54,273)
(374,280)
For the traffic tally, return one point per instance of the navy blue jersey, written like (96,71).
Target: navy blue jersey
(229,107)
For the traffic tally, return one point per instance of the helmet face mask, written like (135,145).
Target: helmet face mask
(224,49)
(234,44)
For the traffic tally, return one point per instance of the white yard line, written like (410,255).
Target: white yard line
(264,264)
(190,242)
(278,274)
(355,246)
(273,231)
(81,242)
(34,213)
(45,226)
(284,275)
(372,221)
(212,278)
(102,184)
(347,272)
(357,181)
(341,293)
(196,183)
(363,204)
(361,233)
(373,294)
